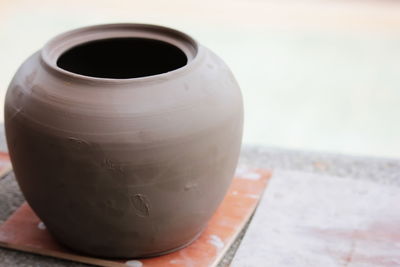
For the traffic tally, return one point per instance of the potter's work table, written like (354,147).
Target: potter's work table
(380,170)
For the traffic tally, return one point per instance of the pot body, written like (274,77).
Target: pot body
(124,167)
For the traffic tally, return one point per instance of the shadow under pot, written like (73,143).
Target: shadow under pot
(124,138)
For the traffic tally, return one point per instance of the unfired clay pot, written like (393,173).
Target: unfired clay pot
(124,138)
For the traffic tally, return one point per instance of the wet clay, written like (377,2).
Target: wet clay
(124,137)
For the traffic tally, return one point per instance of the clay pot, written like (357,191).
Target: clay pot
(124,138)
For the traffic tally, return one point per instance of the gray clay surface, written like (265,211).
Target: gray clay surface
(145,150)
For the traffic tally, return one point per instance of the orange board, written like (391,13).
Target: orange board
(24,231)
(5,164)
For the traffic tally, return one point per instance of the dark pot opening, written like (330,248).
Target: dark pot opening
(122,58)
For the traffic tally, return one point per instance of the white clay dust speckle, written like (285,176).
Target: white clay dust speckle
(240,170)
(252,196)
(234,193)
(134,263)
(216,242)
(41,226)
(251,176)
(176,261)
(246,173)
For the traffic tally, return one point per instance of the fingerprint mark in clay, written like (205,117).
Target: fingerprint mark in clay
(141,205)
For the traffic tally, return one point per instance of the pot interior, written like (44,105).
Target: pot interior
(122,58)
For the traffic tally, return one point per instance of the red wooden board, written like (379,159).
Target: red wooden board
(5,164)
(24,231)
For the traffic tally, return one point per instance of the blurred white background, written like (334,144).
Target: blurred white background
(315,75)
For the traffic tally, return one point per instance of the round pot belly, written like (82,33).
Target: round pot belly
(126,162)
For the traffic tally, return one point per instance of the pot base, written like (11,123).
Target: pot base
(175,249)
(133,256)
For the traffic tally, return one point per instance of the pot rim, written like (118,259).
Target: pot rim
(58,45)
